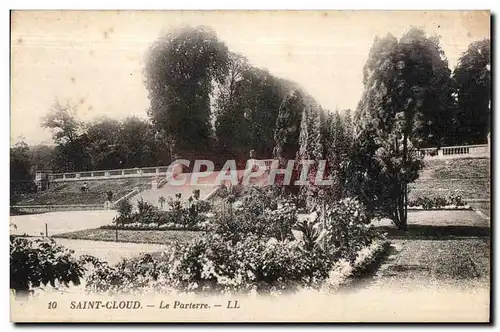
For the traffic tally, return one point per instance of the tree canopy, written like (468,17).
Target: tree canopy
(472,79)
(181,68)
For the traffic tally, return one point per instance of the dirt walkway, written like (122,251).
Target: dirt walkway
(60,222)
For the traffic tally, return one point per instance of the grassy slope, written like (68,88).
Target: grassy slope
(469,177)
(69,192)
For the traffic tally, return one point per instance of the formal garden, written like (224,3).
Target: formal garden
(270,239)
(251,241)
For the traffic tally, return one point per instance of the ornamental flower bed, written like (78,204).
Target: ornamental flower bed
(254,247)
(452,202)
(193,214)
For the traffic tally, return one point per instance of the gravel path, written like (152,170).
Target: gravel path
(70,221)
(59,222)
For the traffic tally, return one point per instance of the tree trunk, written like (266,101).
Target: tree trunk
(402,210)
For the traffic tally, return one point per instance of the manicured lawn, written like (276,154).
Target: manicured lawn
(453,261)
(484,207)
(134,236)
(439,248)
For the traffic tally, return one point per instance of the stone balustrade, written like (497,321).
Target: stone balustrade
(107,174)
(443,152)
(461,151)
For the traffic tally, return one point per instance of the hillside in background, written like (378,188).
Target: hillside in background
(468,177)
(70,192)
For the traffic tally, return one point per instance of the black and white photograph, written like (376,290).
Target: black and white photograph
(250,166)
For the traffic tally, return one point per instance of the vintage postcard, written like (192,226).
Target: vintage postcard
(250,166)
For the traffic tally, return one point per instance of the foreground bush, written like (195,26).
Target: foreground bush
(35,263)
(349,229)
(213,265)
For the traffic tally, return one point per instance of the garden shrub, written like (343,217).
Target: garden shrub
(343,270)
(41,262)
(348,225)
(146,212)
(128,276)
(215,265)
(124,209)
(256,213)
(455,199)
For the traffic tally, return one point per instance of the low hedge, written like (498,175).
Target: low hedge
(367,259)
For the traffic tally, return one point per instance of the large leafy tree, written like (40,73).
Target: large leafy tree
(180,71)
(262,98)
(103,136)
(472,79)
(136,144)
(233,140)
(42,156)
(402,82)
(246,110)
(101,144)
(427,77)
(21,177)
(69,135)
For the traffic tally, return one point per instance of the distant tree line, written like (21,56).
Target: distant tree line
(208,102)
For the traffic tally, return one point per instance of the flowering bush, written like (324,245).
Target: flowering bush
(255,244)
(128,276)
(256,213)
(215,265)
(188,214)
(348,228)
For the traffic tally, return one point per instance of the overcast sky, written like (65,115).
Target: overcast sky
(95,59)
